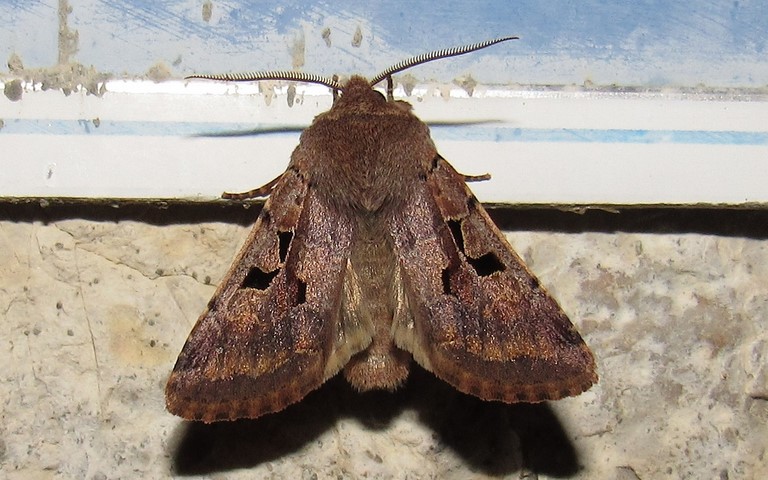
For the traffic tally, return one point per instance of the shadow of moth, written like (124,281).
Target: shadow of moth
(371,251)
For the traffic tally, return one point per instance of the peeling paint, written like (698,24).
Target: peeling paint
(159,72)
(326,36)
(408,82)
(267,89)
(68,76)
(298,49)
(15,65)
(291,94)
(68,39)
(13,90)
(207,11)
(467,83)
(357,38)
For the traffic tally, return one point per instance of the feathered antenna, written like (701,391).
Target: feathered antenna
(288,75)
(436,55)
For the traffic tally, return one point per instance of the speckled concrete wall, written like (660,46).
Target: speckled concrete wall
(96,304)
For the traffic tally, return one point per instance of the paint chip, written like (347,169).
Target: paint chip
(326,35)
(297,51)
(13,90)
(207,11)
(357,38)
(15,65)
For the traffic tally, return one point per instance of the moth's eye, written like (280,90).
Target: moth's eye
(258,279)
(381,96)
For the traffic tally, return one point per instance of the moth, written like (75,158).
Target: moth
(371,251)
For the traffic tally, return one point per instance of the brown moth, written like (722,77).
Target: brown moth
(370,251)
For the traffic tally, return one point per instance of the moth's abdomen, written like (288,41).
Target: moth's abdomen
(372,276)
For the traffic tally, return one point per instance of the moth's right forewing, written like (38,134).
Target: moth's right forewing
(481,321)
(272,332)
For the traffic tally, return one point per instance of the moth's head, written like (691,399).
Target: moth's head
(358,90)
(356,85)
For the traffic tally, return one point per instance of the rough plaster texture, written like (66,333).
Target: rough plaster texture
(96,304)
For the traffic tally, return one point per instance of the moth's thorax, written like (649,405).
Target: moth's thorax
(365,152)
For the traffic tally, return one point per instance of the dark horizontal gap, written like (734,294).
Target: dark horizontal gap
(728,222)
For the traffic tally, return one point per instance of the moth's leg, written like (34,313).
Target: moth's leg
(467,178)
(390,89)
(262,191)
(476,178)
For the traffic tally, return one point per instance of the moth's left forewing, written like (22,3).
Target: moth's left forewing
(273,330)
(481,321)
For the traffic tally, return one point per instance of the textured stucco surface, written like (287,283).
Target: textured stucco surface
(96,304)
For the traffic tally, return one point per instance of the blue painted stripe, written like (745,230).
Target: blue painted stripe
(474,133)
(588,135)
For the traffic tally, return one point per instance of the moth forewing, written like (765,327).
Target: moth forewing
(370,249)
(481,320)
(528,343)
(271,329)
